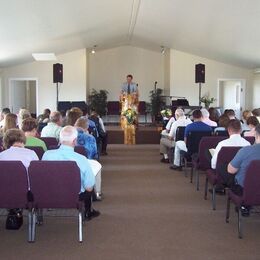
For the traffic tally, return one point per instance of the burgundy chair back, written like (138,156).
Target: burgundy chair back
(113,108)
(206,143)
(13,184)
(50,141)
(55,184)
(142,108)
(251,191)
(37,149)
(80,149)
(250,139)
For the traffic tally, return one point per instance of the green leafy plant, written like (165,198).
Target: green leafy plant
(156,103)
(130,116)
(206,100)
(98,101)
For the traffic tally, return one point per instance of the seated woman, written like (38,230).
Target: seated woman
(14,141)
(85,139)
(29,126)
(252,122)
(10,121)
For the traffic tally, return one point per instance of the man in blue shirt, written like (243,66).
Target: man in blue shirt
(129,87)
(68,139)
(238,166)
(196,126)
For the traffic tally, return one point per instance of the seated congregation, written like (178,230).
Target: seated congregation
(52,137)
(203,142)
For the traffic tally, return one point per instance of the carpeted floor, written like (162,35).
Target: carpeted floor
(148,212)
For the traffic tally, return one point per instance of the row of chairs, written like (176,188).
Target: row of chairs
(198,144)
(47,184)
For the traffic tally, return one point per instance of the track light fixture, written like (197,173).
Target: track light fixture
(93,51)
(162,49)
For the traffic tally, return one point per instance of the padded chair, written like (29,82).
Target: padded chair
(225,155)
(55,184)
(41,126)
(142,109)
(192,143)
(250,139)
(251,193)
(50,142)
(202,162)
(113,108)
(13,186)
(38,150)
(179,136)
(80,149)
(221,133)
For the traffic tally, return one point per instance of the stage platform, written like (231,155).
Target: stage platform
(145,134)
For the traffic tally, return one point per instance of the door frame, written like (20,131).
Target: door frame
(242,96)
(10,90)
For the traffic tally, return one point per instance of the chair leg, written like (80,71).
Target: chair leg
(214,197)
(206,188)
(80,226)
(191,173)
(29,226)
(33,225)
(228,210)
(197,180)
(240,234)
(185,168)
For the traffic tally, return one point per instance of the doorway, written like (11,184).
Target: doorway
(23,93)
(231,95)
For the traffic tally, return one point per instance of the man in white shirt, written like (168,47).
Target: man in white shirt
(235,139)
(167,129)
(168,140)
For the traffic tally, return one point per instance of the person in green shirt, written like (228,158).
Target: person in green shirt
(29,127)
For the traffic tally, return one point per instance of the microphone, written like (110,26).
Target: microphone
(155,83)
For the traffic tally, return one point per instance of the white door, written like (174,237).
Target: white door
(231,95)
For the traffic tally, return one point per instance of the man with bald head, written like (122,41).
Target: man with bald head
(53,128)
(68,140)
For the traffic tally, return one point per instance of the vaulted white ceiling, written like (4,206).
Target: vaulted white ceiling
(224,30)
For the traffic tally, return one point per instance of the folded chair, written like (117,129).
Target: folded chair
(55,184)
(14,187)
(225,155)
(202,162)
(251,193)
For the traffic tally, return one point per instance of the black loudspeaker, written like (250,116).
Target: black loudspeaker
(200,73)
(57,73)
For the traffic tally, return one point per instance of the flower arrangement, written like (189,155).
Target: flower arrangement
(130,116)
(166,113)
(207,100)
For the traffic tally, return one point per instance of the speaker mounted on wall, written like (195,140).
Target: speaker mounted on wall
(200,73)
(57,73)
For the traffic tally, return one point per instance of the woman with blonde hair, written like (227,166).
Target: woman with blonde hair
(10,121)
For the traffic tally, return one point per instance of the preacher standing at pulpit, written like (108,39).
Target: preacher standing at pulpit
(129,87)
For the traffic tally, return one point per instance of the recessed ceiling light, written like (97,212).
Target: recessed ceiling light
(44,56)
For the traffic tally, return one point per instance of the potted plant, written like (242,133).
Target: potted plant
(98,101)
(156,104)
(206,100)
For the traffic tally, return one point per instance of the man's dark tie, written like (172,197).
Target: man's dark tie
(128,89)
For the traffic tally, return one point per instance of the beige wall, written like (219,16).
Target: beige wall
(183,77)
(108,70)
(256,91)
(73,87)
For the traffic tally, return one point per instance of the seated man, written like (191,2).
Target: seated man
(54,126)
(167,141)
(196,126)
(238,166)
(68,139)
(206,120)
(29,126)
(14,141)
(235,139)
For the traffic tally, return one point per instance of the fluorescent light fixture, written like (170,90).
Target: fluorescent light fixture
(44,56)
